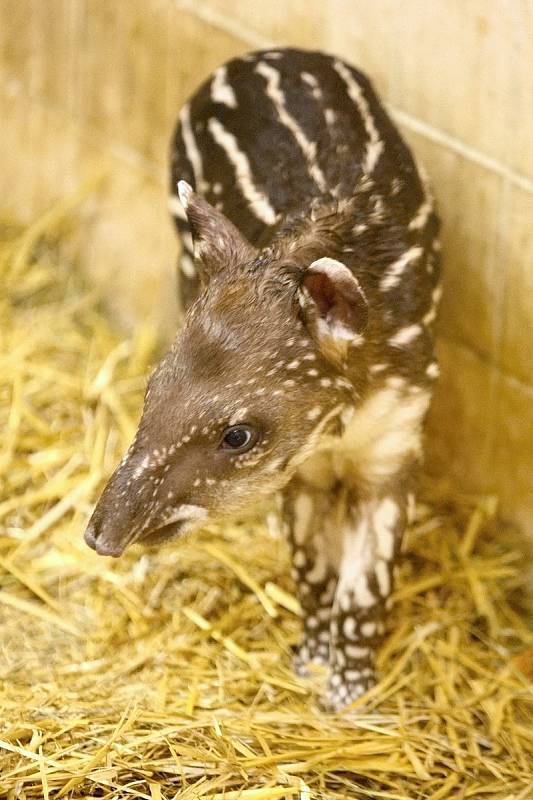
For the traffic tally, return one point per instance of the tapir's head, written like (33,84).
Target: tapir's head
(254,381)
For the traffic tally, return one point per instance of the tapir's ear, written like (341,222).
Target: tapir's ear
(217,242)
(334,307)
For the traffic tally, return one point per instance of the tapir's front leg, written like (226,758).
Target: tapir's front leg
(309,515)
(371,535)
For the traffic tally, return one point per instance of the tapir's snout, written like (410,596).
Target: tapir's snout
(143,503)
(95,537)
(113,525)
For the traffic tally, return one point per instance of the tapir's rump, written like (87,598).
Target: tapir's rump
(309,268)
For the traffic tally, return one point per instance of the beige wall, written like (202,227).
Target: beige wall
(95,85)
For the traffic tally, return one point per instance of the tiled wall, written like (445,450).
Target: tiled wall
(90,86)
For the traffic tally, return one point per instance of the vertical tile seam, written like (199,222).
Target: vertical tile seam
(495,257)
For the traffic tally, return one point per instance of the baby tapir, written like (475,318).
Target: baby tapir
(309,268)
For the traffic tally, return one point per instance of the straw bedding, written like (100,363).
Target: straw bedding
(168,674)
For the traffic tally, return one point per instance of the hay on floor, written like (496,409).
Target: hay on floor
(168,674)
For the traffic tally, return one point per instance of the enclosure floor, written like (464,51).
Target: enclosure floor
(168,673)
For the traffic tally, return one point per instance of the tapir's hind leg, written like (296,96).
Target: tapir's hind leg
(372,532)
(344,545)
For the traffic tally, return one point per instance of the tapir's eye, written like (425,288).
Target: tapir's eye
(239,438)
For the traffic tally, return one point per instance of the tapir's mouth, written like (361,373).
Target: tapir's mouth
(161,535)
(150,538)
(188,519)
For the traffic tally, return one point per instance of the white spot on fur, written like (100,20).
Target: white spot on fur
(347,415)
(368,629)
(352,675)
(191,149)
(238,416)
(349,627)
(436,295)
(312,82)
(143,466)
(353,651)
(374,146)
(259,202)
(356,561)
(314,413)
(343,383)
(405,335)
(274,464)
(396,186)
(375,369)
(394,272)
(303,513)
(422,215)
(186,239)
(433,370)
(428,318)
(385,518)
(273,90)
(383,577)
(319,570)
(221,91)
(396,382)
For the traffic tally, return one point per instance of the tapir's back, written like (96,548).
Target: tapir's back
(272,130)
